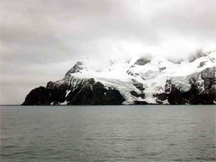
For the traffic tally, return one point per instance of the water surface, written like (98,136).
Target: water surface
(108,133)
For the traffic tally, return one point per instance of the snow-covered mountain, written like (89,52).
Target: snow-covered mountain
(147,80)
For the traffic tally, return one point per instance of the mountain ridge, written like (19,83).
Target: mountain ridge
(144,80)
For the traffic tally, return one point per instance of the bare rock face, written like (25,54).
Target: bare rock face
(209,73)
(212,91)
(142,61)
(202,89)
(94,93)
(74,92)
(44,96)
(78,67)
(209,77)
(201,64)
(138,85)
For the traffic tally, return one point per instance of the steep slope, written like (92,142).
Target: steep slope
(138,81)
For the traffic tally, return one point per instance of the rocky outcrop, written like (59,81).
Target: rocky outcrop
(78,67)
(75,92)
(202,90)
(94,94)
(209,77)
(44,96)
(142,61)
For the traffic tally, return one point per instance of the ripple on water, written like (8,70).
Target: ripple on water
(121,133)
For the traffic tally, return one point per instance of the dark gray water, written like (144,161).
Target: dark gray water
(108,133)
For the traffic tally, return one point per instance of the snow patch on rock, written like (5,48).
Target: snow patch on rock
(152,74)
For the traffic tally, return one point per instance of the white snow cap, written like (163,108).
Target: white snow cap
(152,73)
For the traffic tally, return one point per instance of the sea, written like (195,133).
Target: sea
(108,133)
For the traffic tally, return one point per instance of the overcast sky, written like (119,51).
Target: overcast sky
(41,39)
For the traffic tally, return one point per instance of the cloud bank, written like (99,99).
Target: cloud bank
(41,39)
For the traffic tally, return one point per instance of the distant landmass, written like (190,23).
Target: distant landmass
(145,80)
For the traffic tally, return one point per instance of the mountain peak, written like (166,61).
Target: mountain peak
(78,67)
(142,80)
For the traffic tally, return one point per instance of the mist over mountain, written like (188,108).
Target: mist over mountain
(41,39)
(140,80)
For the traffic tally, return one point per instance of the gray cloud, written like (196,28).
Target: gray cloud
(41,39)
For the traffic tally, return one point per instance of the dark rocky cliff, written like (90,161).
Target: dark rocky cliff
(78,92)
(202,90)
